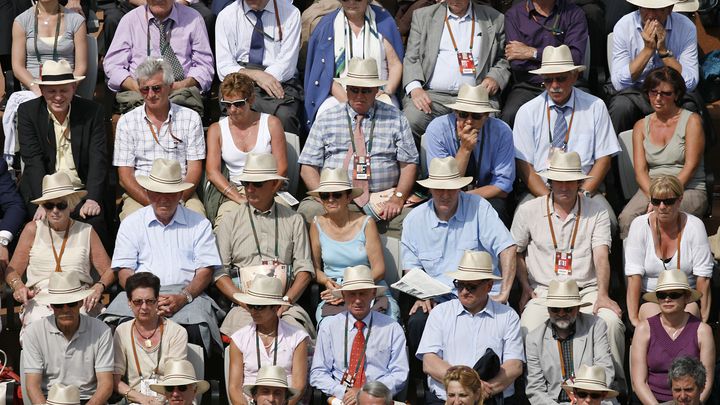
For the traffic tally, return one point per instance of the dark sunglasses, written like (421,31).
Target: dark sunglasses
(360,90)
(469,287)
(559,79)
(672,295)
(256,307)
(171,388)
(556,310)
(585,394)
(49,206)
(146,89)
(667,201)
(655,93)
(235,103)
(139,302)
(67,304)
(256,184)
(465,114)
(336,195)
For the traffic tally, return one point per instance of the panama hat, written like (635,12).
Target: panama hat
(263,290)
(686,6)
(358,278)
(591,378)
(653,3)
(271,376)
(60,394)
(260,167)
(444,174)
(673,279)
(57,73)
(165,177)
(362,73)
(57,185)
(474,266)
(472,99)
(557,60)
(179,372)
(563,294)
(63,287)
(332,180)
(564,166)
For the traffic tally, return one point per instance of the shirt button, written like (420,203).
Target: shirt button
(312,102)
(317,83)
(329,38)
(322,60)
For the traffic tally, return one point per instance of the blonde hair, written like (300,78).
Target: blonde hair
(467,377)
(665,184)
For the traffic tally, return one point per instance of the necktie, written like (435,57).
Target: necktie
(359,138)
(257,41)
(560,129)
(357,355)
(168,53)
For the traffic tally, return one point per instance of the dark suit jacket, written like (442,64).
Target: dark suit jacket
(38,149)
(12,209)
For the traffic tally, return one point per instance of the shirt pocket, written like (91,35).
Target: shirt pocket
(429,259)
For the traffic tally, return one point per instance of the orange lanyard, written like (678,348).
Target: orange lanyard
(155,136)
(472,33)
(562,361)
(159,351)
(679,238)
(58,257)
(572,117)
(277,22)
(575,229)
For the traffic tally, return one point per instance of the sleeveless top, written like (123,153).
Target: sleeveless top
(338,255)
(670,159)
(233,157)
(75,258)
(662,350)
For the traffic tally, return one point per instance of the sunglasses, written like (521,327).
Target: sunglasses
(585,394)
(171,388)
(559,79)
(469,287)
(49,206)
(465,114)
(146,89)
(360,90)
(235,103)
(256,184)
(672,295)
(336,195)
(667,201)
(556,310)
(256,307)
(139,302)
(67,304)
(655,93)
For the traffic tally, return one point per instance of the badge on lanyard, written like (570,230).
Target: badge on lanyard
(466,63)
(348,380)
(144,387)
(361,167)
(563,263)
(276,264)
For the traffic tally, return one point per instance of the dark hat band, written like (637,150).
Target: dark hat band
(164,181)
(57,78)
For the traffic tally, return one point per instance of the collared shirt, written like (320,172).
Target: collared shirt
(179,138)
(520,26)
(591,135)
(238,249)
(531,231)
(681,40)
(76,362)
(187,35)
(566,355)
(329,141)
(64,161)
(461,338)
(437,246)
(495,140)
(234,28)
(386,358)
(172,252)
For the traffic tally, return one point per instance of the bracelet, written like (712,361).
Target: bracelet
(225,190)
(12,283)
(102,284)
(126,395)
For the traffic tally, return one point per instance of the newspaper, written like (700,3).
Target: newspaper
(420,285)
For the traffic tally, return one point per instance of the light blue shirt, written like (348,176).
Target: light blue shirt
(437,246)
(172,252)
(681,40)
(386,358)
(591,135)
(460,338)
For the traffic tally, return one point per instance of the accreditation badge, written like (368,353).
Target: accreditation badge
(144,387)
(466,63)
(361,167)
(563,263)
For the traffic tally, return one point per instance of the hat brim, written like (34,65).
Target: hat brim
(259,177)
(48,299)
(552,175)
(592,387)
(76,79)
(354,191)
(694,294)
(453,184)
(247,389)
(653,3)
(460,106)
(549,70)
(690,6)
(202,385)
(156,187)
(472,275)
(555,303)
(254,300)
(379,289)
(351,81)
(59,194)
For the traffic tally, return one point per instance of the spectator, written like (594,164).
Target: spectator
(179,386)
(167,30)
(374,393)
(342,238)
(271,387)
(687,378)
(147,133)
(63,394)
(12,214)
(668,142)
(141,353)
(463,386)
(663,337)
(589,387)
(383,158)
(66,347)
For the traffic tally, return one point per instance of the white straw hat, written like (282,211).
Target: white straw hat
(673,279)
(165,177)
(444,174)
(260,167)
(358,278)
(57,73)
(563,294)
(472,99)
(474,266)
(63,287)
(263,290)
(564,166)
(57,185)
(60,394)
(686,6)
(333,180)
(591,378)
(653,3)
(362,73)
(271,376)
(557,60)
(179,372)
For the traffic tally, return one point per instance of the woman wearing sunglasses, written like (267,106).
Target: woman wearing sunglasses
(666,238)
(660,339)
(342,238)
(231,139)
(463,386)
(670,141)
(57,243)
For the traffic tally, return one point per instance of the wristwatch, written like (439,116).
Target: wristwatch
(668,54)
(4,241)
(399,195)
(287,299)
(586,193)
(187,295)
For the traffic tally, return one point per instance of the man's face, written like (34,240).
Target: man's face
(565,191)
(685,391)
(260,193)
(179,397)
(445,201)
(154,91)
(358,302)
(589,397)
(361,99)
(559,86)
(563,318)
(458,7)
(256,4)
(474,120)
(658,14)
(160,8)
(58,97)
(67,316)
(473,295)
(367,399)
(164,204)
(270,395)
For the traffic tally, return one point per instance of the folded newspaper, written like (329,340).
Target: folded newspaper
(420,285)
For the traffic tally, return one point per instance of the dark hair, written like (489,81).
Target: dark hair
(668,75)
(688,366)
(142,279)
(237,83)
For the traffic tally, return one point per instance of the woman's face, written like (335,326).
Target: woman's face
(234,110)
(143,304)
(459,395)
(263,314)
(666,206)
(672,301)
(662,97)
(336,201)
(57,212)
(354,8)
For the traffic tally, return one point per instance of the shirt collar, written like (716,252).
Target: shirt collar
(351,319)
(268,213)
(464,17)
(172,16)
(179,217)
(489,310)
(52,116)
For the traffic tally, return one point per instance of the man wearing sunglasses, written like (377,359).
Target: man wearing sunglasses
(588,387)
(66,347)
(179,385)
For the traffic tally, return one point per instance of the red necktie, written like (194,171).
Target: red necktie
(357,355)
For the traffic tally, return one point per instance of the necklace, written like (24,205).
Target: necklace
(148,339)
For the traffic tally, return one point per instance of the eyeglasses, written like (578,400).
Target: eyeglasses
(235,103)
(667,201)
(336,195)
(585,394)
(67,304)
(556,310)
(360,90)
(465,114)
(139,302)
(559,79)
(655,93)
(256,184)
(661,295)
(49,206)
(146,89)
(469,287)
(256,307)
(171,388)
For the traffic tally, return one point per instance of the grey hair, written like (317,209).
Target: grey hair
(688,366)
(376,389)
(151,67)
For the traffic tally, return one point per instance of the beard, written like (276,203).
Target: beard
(564,323)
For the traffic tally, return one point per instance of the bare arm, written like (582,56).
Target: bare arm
(278,145)
(508,266)
(373,247)
(642,173)
(213,163)
(299,370)
(237,375)
(602,272)
(104,389)
(694,148)
(408,174)
(509,371)
(18,58)
(121,388)
(633,298)
(311,176)
(228,289)
(131,186)
(395,68)
(489,191)
(123,274)
(598,172)
(534,183)
(524,280)
(32,382)
(338,92)
(194,172)
(434,366)
(707,357)
(703,285)
(638,361)
(81,53)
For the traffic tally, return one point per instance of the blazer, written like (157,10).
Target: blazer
(38,149)
(12,209)
(424,44)
(590,346)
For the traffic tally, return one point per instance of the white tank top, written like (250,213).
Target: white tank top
(233,157)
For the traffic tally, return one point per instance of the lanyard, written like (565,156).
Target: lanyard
(58,257)
(554,30)
(155,135)
(352,134)
(159,349)
(277,23)
(572,117)
(367,338)
(257,241)
(57,34)
(679,239)
(575,229)
(157,24)
(562,361)
(257,346)
(472,33)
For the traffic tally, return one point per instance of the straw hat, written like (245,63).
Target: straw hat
(362,73)
(271,376)
(165,177)
(557,60)
(564,166)
(179,372)
(57,73)
(686,6)
(563,294)
(653,3)
(60,394)
(358,278)
(332,180)
(64,287)
(591,378)
(260,167)
(472,99)
(444,174)
(263,290)
(57,185)
(474,266)
(673,279)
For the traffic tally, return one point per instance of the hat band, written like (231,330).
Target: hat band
(352,75)
(482,103)
(565,170)
(164,181)
(563,298)
(349,283)
(271,380)
(589,381)
(65,291)
(335,183)
(672,286)
(259,294)
(559,63)
(474,269)
(57,78)
(451,176)
(184,376)
(260,171)
(58,188)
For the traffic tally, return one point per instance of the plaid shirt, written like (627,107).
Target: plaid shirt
(329,141)
(180,138)
(567,358)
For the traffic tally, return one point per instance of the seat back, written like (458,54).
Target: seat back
(393,266)
(586,61)
(86,88)
(625,165)
(423,158)
(196,357)
(226,368)
(293,153)
(609,50)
